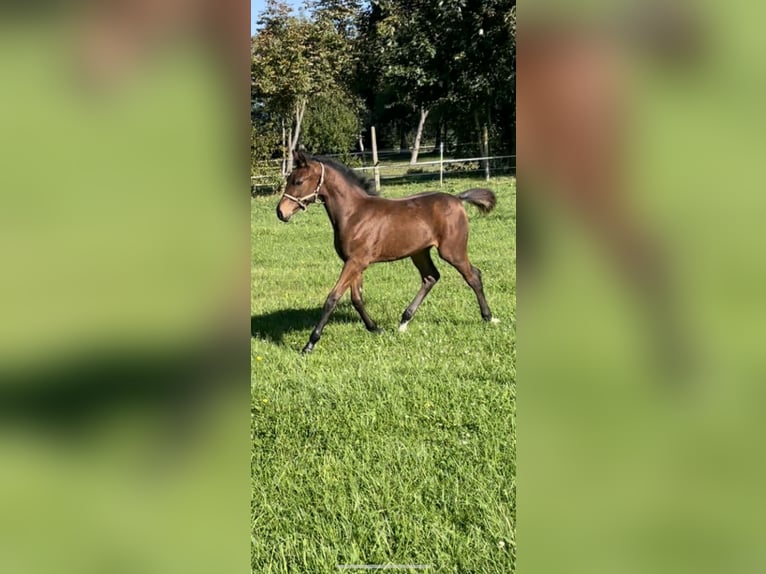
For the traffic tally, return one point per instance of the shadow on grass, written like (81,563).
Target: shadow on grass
(433,176)
(274,325)
(175,384)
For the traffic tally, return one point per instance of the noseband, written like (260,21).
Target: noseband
(303,202)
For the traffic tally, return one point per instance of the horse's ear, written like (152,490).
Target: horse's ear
(300,158)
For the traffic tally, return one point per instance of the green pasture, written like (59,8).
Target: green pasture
(390,449)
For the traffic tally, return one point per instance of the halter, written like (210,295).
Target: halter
(303,202)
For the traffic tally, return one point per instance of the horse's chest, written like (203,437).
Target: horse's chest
(340,249)
(347,240)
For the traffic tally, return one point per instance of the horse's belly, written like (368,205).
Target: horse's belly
(404,243)
(403,229)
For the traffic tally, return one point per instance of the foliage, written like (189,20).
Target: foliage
(294,58)
(488,38)
(265,140)
(342,15)
(331,125)
(280,63)
(403,50)
(401,58)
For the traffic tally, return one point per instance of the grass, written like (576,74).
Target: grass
(396,448)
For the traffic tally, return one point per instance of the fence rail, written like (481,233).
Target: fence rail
(425,149)
(414,170)
(437,162)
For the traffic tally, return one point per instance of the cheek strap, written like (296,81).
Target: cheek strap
(303,202)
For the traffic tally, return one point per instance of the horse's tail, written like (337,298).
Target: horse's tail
(482,198)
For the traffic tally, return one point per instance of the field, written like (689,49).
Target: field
(390,449)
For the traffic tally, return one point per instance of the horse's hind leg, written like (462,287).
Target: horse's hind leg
(358,302)
(429,275)
(455,253)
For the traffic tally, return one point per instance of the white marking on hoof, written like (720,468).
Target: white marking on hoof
(403,327)
(494,320)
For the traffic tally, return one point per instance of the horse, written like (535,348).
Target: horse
(370,229)
(572,109)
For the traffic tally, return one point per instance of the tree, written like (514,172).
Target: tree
(403,48)
(331,124)
(294,58)
(481,74)
(414,64)
(342,15)
(279,69)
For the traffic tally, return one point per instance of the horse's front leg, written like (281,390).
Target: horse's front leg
(358,302)
(351,271)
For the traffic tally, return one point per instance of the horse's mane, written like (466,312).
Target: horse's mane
(352,177)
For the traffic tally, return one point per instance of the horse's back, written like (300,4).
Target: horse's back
(420,195)
(407,225)
(429,199)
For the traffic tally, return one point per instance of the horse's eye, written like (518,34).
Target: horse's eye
(298,182)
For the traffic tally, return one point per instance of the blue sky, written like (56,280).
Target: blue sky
(256,6)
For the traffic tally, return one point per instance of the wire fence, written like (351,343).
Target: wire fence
(269,179)
(364,157)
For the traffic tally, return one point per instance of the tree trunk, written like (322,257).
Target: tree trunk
(478,132)
(439,140)
(294,136)
(284,148)
(485,150)
(418,135)
(289,167)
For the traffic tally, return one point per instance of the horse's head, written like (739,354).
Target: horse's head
(302,186)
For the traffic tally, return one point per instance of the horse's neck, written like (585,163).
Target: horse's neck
(342,200)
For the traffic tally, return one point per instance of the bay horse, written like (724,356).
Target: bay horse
(370,229)
(573,111)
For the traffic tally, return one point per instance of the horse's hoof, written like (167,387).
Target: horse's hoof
(376,330)
(307,349)
(403,326)
(494,320)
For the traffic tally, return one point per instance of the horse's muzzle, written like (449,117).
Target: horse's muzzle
(281,215)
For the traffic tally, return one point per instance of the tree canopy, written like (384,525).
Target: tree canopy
(445,68)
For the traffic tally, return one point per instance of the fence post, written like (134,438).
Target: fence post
(361,147)
(485,139)
(375,170)
(441,164)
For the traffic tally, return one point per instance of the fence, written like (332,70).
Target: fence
(426,147)
(405,172)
